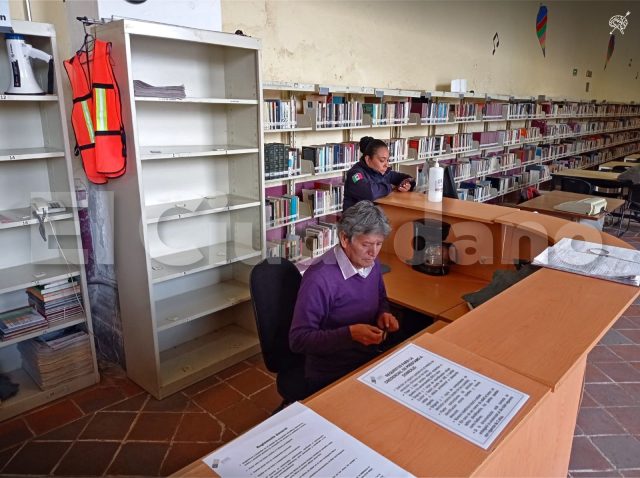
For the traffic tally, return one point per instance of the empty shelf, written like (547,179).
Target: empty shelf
(197,207)
(190,151)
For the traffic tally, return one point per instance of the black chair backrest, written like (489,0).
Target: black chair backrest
(576,185)
(274,288)
(620,169)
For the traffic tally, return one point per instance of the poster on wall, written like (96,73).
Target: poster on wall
(610,48)
(541,28)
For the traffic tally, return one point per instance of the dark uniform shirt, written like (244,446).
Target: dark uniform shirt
(364,183)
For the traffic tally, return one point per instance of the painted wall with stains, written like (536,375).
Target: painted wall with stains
(426,44)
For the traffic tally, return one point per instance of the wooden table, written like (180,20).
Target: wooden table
(535,337)
(587,174)
(632,158)
(545,204)
(612,164)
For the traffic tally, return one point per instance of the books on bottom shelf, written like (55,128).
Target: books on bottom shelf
(17,322)
(57,357)
(602,261)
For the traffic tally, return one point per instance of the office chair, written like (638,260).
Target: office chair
(575,185)
(274,285)
(620,169)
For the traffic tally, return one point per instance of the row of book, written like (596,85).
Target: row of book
(311,240)
(388,113)
(57,357)
(334,115)
(397,148)
(281,161)
(279,114)
(319,238)
(324,198)
(21,321)
(441,144)
(331,156)
(281,210)
(290,247)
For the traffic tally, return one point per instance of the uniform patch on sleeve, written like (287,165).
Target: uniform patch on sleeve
(357,177)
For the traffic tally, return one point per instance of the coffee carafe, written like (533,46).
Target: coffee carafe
(431,254)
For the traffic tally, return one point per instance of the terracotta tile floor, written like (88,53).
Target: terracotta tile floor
(114,428)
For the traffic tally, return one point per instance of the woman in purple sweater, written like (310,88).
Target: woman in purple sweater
(341,313)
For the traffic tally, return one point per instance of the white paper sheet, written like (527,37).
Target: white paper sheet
(297,442)
(591,259)
(463,401)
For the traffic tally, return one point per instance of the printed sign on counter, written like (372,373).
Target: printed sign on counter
(299,442)
(464,402)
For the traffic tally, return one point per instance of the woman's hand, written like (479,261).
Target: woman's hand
(388,322)
(365,334)
(404,186)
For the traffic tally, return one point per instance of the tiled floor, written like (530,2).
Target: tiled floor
(115,428)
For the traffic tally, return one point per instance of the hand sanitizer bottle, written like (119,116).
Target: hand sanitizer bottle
(436,182)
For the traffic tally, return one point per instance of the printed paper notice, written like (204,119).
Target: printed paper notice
(297,442)
(462,401)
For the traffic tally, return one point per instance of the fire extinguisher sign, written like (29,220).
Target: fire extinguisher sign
(5,17)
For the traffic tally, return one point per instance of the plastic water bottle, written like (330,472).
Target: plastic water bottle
(436,182)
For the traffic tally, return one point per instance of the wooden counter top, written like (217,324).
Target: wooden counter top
(431,295)
(469,210)
(418,445)
(541,326)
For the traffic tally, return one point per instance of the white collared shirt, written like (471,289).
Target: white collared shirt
(346,267)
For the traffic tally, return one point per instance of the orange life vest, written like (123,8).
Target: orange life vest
(96,114)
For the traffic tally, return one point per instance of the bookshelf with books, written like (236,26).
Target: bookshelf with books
(189,213)
(317,149)
(42,276)
(520,146)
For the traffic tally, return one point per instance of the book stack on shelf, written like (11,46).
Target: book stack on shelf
(386,113)
(333,111)
(430,112)
(323,199)
(58,301)
(493,111)
(21,321)
(281,210)
(331,156)
(466,111)
(397,149)
(57,357)
(281,161)
(319,238)
(290,247)
(279,114)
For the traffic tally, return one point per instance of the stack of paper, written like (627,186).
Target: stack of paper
(141,88)
(16,322)
(594,260)
(57,301)
(57,357)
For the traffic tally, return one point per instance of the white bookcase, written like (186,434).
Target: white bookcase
(35,162)
(188,212)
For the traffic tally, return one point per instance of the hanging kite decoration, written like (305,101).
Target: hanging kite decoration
(610,48)
(541,28)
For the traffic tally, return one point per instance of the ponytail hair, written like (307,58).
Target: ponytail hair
(369,146)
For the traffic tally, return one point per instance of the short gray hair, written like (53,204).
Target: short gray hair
(364,217)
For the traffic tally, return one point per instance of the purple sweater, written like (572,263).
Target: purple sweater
(327,304)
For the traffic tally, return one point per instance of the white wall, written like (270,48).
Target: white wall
(424,44)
